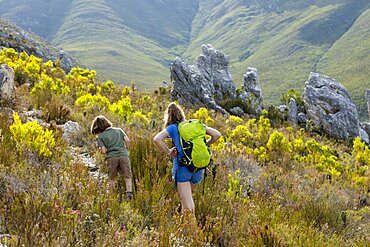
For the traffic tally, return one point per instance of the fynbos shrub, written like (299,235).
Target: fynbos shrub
(31,136)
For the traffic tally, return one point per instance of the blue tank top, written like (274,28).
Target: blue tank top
(175,136)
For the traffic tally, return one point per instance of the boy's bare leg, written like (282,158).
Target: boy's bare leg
(128,183)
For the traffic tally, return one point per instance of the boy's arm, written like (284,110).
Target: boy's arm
(126,140)
(101,146)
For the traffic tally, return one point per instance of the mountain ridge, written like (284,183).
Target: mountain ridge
(11,36)
(285,40)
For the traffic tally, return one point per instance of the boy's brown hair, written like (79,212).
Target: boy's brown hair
(173,114)
(99,124)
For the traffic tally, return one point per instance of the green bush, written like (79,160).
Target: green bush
(292,94)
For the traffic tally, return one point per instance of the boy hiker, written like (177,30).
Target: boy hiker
(114,142)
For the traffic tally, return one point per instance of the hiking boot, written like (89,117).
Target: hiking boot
(129,195)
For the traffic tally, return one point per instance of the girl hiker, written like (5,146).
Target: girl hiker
(182,176)
(114,142)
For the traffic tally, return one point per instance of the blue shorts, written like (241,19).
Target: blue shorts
(182,174)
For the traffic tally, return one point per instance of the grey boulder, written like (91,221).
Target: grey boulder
(7,84)
(329,106)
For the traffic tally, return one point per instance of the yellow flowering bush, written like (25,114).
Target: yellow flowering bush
(298,145)
(252,125)
(54,86)
(126,91)
(278,144)
(361,172)
(88,101)
(123,107)
(330,165)
(9,56)
(26,68)
(31,136)
(108,86)
(79,76)
(323,159)
(219,144)
(234,188)
(139,119)
(361,152)
(241,135)
(314,151)
(261,154)
(263,132)
(201,113)
(234,121)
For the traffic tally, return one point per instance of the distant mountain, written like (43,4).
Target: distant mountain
(137,40)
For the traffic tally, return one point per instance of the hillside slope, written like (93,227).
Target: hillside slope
(41,17)
(96,34)
(285,42)
(123,40)
(16,38)
(348,60)
(136,41)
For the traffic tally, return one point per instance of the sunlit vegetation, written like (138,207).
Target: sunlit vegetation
(268,185)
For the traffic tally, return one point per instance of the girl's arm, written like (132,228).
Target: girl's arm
(159,140)
(215,134)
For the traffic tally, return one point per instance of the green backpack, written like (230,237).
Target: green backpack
(193,141)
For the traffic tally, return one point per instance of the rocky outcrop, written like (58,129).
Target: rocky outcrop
(14,37)
(330,108)
(367,97)
(293,112)
(365,126)
(33,115)
(209,84)
(72,133)
(251,91)
(213,67)
(302,118)
(7,84)
(364,135)
(204,83)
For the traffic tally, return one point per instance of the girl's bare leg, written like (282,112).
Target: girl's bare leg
(184,190)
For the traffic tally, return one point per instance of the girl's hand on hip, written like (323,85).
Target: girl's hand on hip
(172,152)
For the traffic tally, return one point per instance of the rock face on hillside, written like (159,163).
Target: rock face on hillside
(293,117)
(7,85)
(251,91)
(329,106)
(14,37)
(367,97)
(209,84)
(72,133)
(204,83)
